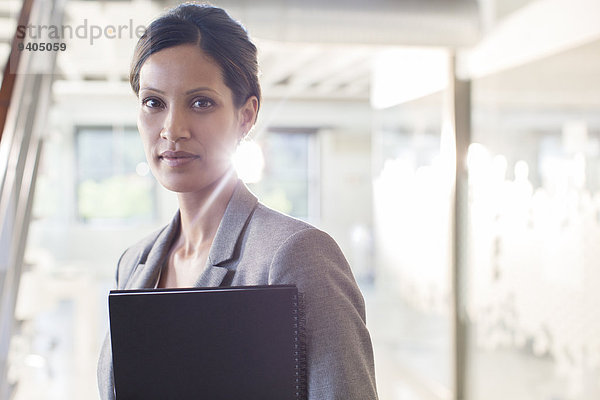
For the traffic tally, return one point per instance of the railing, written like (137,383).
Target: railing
(24,101)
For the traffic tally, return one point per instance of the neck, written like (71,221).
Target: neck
(201,213)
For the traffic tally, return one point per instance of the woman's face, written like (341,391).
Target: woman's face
(187,119)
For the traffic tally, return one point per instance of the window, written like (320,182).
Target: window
(290,181)
(113,179)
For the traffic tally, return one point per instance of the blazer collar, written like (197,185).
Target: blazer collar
(148,269)
(229,232)
(232,224)
(223,249)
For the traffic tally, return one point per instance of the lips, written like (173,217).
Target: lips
(177,158)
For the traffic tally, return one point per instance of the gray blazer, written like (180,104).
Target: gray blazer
(255,245)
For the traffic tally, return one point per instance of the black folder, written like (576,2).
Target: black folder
(208,343)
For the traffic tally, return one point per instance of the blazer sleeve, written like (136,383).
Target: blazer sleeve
(125,266)
(339,350)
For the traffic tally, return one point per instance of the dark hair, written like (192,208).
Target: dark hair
(216,34)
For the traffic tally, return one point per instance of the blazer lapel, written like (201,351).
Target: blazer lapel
(225,245)
(212,276)
(146,273)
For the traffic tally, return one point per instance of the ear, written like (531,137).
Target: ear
(247,115)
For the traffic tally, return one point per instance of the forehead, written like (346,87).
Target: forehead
(180,66)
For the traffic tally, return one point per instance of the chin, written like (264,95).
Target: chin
(183,185)
(191,184)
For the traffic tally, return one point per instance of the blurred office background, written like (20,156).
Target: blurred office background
(451,147)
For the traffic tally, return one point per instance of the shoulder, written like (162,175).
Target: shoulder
(268,228)
(142,246)
(291,237)
(275,220)
(311,243)
(162,235)
(136,254)
(300,252)
(310,256)
(287,241)
(283,233)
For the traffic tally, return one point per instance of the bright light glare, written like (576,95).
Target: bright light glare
(404,74)
(35,361)
(479,163)
(500,164)
(249,162)
(477,156)
(521,171)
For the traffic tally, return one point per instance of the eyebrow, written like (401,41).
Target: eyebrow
(202,89)
(192,91)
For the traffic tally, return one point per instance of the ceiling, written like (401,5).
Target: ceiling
(312,49)
(569,79)
(307,50)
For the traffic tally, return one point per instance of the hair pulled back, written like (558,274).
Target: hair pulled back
(218,35)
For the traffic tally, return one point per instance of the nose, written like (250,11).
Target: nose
(175,126)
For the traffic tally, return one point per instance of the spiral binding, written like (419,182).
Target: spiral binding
(300,346)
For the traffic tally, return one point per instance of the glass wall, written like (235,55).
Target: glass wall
(534,221)
(410,315)
(532,227)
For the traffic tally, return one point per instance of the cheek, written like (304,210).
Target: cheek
(229,133)
(219,133)
(146,123)
(149,125)
(225,145)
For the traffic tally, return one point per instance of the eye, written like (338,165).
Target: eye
(152,102)
(203,103)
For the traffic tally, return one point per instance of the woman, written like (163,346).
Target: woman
(195,74)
